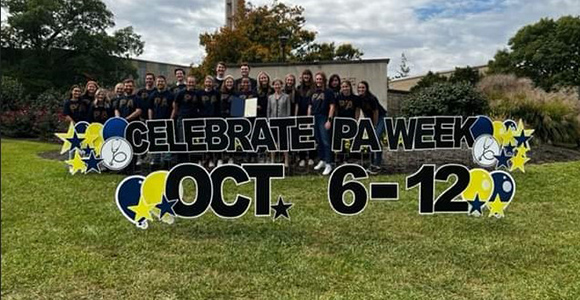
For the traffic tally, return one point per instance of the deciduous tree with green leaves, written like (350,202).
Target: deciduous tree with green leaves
(54,43)
(256,37)
(548,52)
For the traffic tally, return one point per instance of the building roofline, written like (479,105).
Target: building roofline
(436,72)
(158,62)
(326,62)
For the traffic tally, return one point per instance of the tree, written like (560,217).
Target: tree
(467,74)
(404,69)
(446,99)
(54,43)
(257,37)
(428,80)
(548,52)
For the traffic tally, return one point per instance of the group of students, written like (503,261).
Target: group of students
(311,95)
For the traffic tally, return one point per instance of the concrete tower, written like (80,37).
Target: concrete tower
(231,9)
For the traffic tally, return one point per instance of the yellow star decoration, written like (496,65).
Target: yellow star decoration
(519,160)
(142,210)
(496,208)
(94,138)
(64,136)
(76,164)
(507,137)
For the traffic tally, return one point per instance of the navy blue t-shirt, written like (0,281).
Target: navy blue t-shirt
(128,104)
(210,101)
(178,88)
(369,104)
(346,105)
(188,104)
(303,95)
(101,112)
(263,101)
(144,94)
(161,103)
(77,110)
(320,101)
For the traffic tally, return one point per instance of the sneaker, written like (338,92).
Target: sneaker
(211,164)
(310,162)
(231,161)
(220,162)
(302,163)
(319,165)
(139,162)
(327,170)
(200,163)
(374,170)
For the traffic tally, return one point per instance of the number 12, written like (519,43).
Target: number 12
(427,177)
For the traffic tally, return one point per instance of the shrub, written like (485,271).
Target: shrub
(555,116)
(457,99)
(36,117)
(12,94)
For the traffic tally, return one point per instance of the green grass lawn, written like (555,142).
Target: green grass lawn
(63,237)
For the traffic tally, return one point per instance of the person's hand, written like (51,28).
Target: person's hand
(327,125)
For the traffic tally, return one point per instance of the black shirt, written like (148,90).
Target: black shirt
(263,101)
(143,94)
(77,110)
(346,105)
(188,104)
(161,103)
(210,101)
(369,104)
(127,104)
(320,101)
(303,99)
(101,112)
(226,103)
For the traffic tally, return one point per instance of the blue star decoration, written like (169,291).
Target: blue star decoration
(476,206)
(509,149)
(166,207)
(93,163)
(75,141)
(87,150)
(281,209)
(523,139)
(502,159)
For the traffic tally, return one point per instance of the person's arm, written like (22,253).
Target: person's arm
(309,113)
(150,114)
(174,111)
(66,112)
(288,105)
(357,113)
(135,114)
(69,119)
(328,124)
(269,107)
(375,117)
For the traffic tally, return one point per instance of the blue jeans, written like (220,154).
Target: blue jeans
(322,136)
(379,129)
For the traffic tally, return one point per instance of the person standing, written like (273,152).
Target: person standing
(334,84)
(74,109)
(279,106)
(347,106)
(161,107)
(128,106)
(101,109)
(210,108)
(227,95)
(374,110)
(180,85)
(220,71)
(322,108)
(144,93)
(187,105)
(88,95)
(304,93)
(245,72)
(264,91)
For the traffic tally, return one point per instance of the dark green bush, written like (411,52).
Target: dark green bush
(454,99)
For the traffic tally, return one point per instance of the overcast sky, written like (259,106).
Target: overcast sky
(434,34)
